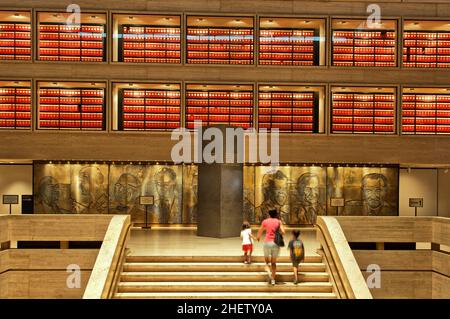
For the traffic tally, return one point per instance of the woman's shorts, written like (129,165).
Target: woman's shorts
(271,250)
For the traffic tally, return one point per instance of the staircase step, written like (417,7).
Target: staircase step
(223,287)
(213,267)
(177,259)
(218,276)
(226,295)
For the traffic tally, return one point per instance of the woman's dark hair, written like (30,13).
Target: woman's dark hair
(273,213)
(245,225)
(296,233)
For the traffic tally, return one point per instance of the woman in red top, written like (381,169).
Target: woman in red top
(271,250)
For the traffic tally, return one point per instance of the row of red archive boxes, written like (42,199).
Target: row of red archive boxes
(362,97)
(415,113)
(363,105)
(219,47)
(364,43)
(426,129)
(151,54)
(70,124)
(147,101)
(426,65)
(363,57)
(426,98)
(364,34)
(71,100)
(71,116)
(71,36)
(162,38)
(72,44)
(363,120)
(219,95)
(424,121)
(286,96)
(426,58)
(15,107)
(15,115)
(151,60)
(219,55)
(150,30)
(286,111)
(190,125)
(363,50)
(427,44)
(286,62)
(362,128)
(150,109)
(15,123)
(425,106)
(363,64)
(219,61)
(230,40)
(14,91)
(300,127)
(15,43)
(219,31)
(425,51)
(286,56)
(154,94)
(15,27)
(357,112)
(71,108)
(15,51)
(150,125)
(286,33)
(71,58)
(286,48)
(288,41)
(151,46)
(70,92)
(15,99)
(15,35)
(285,119)
(215,118)
(219,110)
(73,52)
(71,28)
(426,35)
(285,103)
(223,103)
(151,117)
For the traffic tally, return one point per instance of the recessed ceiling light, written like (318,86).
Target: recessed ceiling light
(16,82)
(271,87)
(131,17)
(168,18)
(55,83)
(307,21)
(238,20)
(270,20)
(343,22)
(130,84)
(307,87)
(94,17)
(204,86)
(56,15)
(167,85)
(17,14)
(93,83)
(237,86)
(416,23)
(200,19)
(343,88)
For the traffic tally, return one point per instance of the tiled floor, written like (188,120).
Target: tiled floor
(160,241)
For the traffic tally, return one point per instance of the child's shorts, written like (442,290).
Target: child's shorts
(247,248)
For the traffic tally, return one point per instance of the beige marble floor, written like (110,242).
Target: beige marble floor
(163,241)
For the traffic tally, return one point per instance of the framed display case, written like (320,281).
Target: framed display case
(59,40)
(426,44)
(139,38)
(71,105)
(355,43)
(227,104)
(146,106)
(426,111)
(363,110)
(15,105)
(291,41)
(219,40)
(298,109)
(15,35)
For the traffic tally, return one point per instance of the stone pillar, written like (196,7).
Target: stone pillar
(220,196)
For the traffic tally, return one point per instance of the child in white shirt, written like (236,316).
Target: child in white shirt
(247,242)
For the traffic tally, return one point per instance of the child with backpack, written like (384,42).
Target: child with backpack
(297,253)
(247,242)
